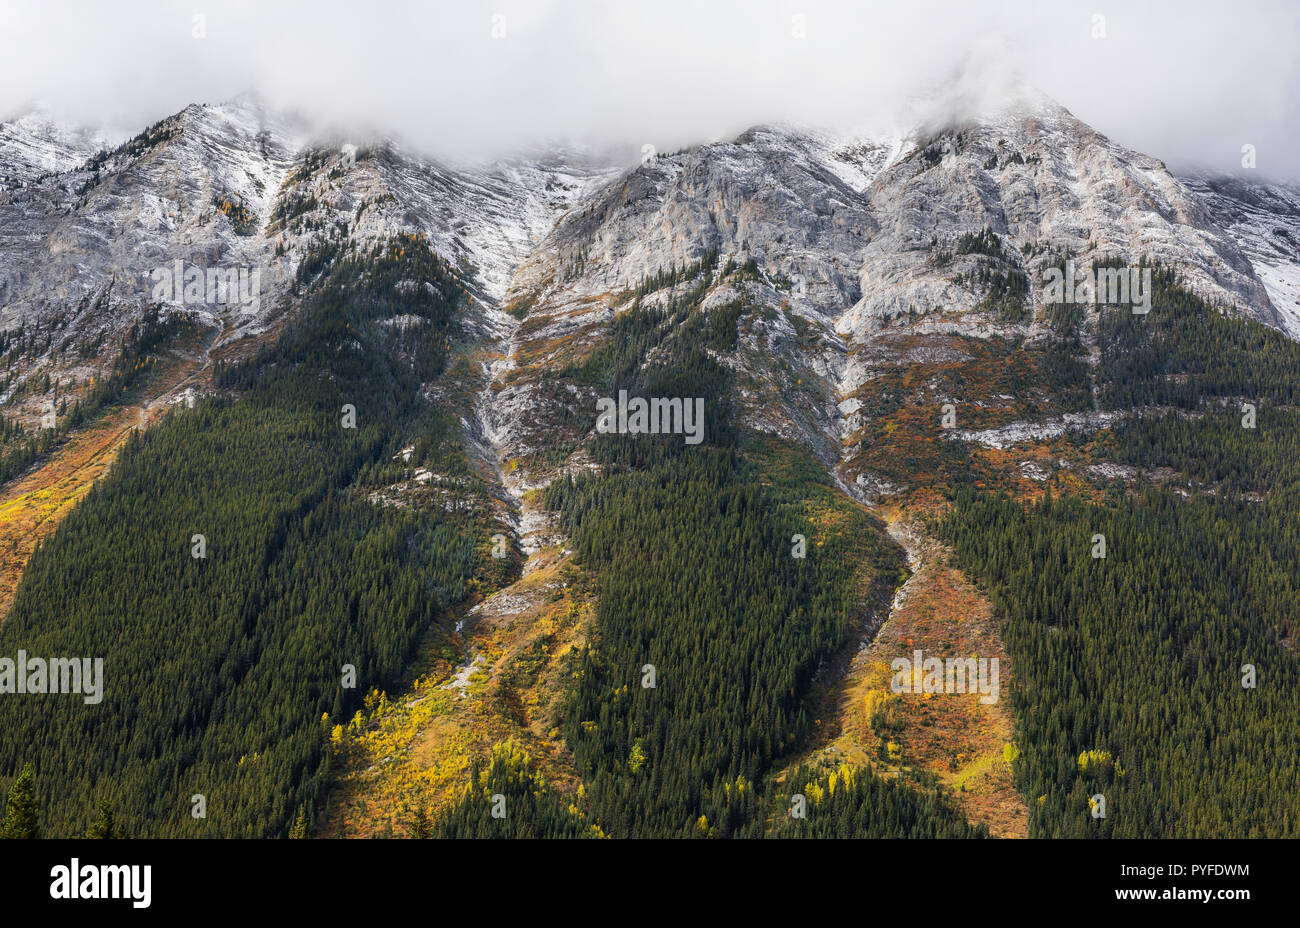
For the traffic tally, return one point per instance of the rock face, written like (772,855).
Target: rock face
(35,145)
(1263,220)
(78,247)
(841,259)
(1038,179)
(233,188)
(867,258)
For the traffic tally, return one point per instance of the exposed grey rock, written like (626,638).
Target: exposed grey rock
(851,242)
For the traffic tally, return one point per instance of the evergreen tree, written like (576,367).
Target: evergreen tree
(421,826)
(22,818)
(105,826)
(301,827)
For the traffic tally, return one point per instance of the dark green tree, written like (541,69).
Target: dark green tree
(421,826)
(22,818)
(301,827)
(105,825)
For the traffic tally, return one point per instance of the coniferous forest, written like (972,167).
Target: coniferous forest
(231,566)
(496,451)
(242,578)
(709,632)
(1161,676)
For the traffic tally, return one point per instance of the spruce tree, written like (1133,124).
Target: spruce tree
(105,826)
(21,815)
(301,828)
(421,826)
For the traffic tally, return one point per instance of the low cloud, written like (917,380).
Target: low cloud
(1190,82)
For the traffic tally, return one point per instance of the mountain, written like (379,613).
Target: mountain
(851,247)
(36,144)
(1262,219)
(370,383)
(857,223)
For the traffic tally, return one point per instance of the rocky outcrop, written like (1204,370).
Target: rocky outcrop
(840,258)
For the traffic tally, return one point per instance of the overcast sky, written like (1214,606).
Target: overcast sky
(1187,81)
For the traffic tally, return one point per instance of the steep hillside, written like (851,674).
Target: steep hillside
(35,144)
(851,329)
(1264,220)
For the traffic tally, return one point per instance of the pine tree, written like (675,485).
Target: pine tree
(105,826)
(301,828)
(421,826)
(21,814)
